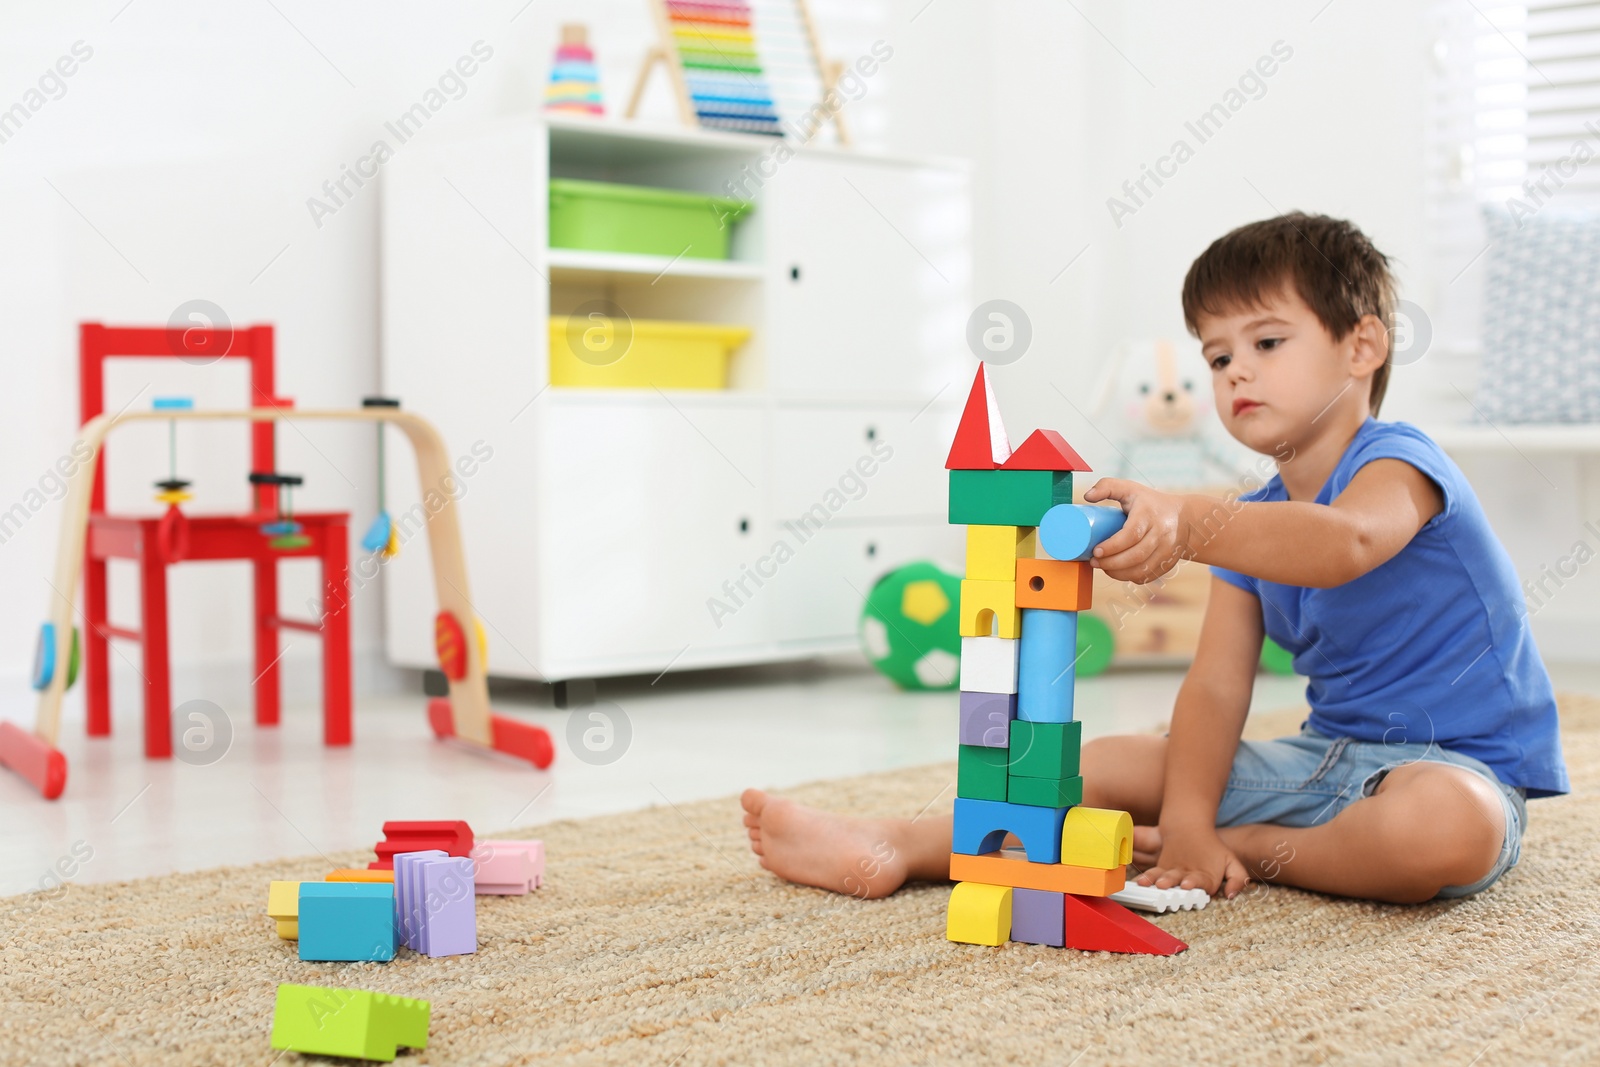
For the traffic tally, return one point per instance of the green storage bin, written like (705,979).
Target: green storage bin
(605,217)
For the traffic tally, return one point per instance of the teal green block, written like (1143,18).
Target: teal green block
(1045,792)
(1006,498)
(1045,749)
(354,1023)
(981,773)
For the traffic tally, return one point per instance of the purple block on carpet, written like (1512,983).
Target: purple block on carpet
(1038,917)
(450,927)
(408,911)
(986,718)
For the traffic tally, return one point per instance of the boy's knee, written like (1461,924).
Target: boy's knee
(1451,825)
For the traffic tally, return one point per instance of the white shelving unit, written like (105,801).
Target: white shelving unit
(604,526)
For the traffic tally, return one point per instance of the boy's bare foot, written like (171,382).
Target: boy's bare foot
(818,848)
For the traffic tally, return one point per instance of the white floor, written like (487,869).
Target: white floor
(279,793)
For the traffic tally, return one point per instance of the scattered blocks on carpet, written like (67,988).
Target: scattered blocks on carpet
(353,1023)
(979,914)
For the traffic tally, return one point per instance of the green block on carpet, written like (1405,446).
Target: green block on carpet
(1045,792)
(1045,749)
(981,773)
(1006,498)
(356,1023)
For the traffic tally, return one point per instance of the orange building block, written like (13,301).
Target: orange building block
(1011,867)
(353,874)
(1055,584)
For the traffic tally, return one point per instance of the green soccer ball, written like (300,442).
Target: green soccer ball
(910,627)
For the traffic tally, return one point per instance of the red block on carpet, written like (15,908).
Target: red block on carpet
(1096,924)
(451,836)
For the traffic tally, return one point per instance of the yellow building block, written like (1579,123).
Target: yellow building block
(979,914)
(283,907)
(993,551)
(987,605)
(1097,837)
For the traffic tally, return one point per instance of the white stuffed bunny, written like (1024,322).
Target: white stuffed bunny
(1161,429)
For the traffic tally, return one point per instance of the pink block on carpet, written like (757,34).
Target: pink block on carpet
(508,868)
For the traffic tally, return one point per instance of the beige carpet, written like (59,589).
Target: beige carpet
(658,940)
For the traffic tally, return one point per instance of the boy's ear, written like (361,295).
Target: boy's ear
(1369,346)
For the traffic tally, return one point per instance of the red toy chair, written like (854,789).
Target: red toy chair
(206,537)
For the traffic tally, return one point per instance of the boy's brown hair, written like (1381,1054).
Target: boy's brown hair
(1330,263)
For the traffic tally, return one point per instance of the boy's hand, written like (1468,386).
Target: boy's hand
(1196,859)
(1152,540)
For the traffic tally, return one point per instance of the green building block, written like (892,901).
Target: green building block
(981,773)
(354,1023)
(1045,749)
(1045,792)
(1006,498)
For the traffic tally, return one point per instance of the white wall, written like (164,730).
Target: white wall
(178,163)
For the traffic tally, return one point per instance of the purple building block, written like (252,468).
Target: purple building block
(1038,917)
(408,913)
(450,926)
(986,718)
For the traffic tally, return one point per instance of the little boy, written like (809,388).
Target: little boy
(1368,557)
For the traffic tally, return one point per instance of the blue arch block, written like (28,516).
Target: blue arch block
(1071,531)
(981,827)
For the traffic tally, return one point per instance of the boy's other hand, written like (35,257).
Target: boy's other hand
(1196,859)
(1153,539)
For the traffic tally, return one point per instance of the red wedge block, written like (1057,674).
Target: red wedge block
(1096,924)
(28,755)
(1045,450)
(980,443)
(523,740)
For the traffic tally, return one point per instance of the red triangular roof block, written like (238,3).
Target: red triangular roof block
(1096,924)
(980,443)
(1045,450)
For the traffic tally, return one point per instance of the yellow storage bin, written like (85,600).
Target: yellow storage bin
(610,354)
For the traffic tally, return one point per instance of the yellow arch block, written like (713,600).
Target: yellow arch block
(979,914)
(1098,838)
(989,609)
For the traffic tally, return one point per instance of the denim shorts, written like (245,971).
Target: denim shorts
(1307,780)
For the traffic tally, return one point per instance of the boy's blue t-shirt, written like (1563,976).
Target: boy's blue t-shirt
(1434,645)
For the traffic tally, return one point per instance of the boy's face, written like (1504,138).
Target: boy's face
(1277,372)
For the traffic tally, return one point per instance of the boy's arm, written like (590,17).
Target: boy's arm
(1206,723)
(1289,542)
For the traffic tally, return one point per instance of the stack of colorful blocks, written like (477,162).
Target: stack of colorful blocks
(1018,770)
